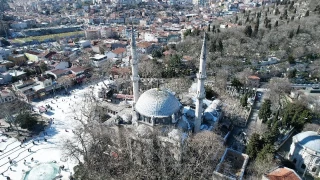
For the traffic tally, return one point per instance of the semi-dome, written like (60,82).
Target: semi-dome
(309,140)
(157,103)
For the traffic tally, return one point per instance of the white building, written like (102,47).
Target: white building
(6,96)
(305,152)
(98,60)
(149,37)
(84,43)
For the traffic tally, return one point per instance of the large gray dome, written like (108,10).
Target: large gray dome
(309,140)
(157,103)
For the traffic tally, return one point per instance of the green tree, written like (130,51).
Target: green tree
(220,46)
(265,110)
(291,5)
(157,54)
(296,115)
(210,93)
(291,34)
(254,145)
(236,83)
(244,100)
(292,73)
(213,46)
(298,29)
(248,31)
(195,32)
(187,33)
(291,59)
(26,120)
(307,13)
(276,12)
(43,67)
(267,149)
(213,28)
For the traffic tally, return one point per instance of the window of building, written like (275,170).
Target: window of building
(294,160)
(314,169)
(303,166)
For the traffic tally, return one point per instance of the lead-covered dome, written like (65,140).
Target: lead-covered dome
(157,103)
(309,140)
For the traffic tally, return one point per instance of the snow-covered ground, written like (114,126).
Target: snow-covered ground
(52,150)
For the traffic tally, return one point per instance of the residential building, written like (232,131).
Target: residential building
(7,95)
(253,81)
(98,60)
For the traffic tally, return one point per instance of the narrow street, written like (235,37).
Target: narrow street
(254,124)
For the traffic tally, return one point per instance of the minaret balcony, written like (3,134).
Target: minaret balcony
(200,95)
(201,76)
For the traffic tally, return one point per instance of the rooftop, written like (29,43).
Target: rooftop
(283,173)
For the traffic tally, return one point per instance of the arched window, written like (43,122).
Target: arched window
(294,160)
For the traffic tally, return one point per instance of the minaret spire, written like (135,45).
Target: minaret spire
(134,65)
(201,76)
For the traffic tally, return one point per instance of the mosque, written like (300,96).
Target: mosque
(305,152)
(160,107)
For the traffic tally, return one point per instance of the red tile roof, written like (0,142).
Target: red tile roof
(77,69)
(254,77)
(144,44)
(119,50)
(283,174)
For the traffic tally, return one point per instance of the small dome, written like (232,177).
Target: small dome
(157,103)
(143,131)
(309,139)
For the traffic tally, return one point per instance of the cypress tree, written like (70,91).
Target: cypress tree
(298,29)
(307,13)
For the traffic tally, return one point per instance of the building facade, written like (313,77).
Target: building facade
(305,152)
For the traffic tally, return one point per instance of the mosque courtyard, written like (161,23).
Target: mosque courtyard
(42,157)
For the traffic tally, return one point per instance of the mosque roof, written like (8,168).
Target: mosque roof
(309,139)
(157,103)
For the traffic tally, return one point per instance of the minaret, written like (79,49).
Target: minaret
(134,65)
(201,76)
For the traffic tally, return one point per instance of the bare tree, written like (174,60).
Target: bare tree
(149,69)
(244,75)
(257,168)
(65,81)
(178,85)
(278,89)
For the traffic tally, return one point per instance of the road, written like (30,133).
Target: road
(254,124)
